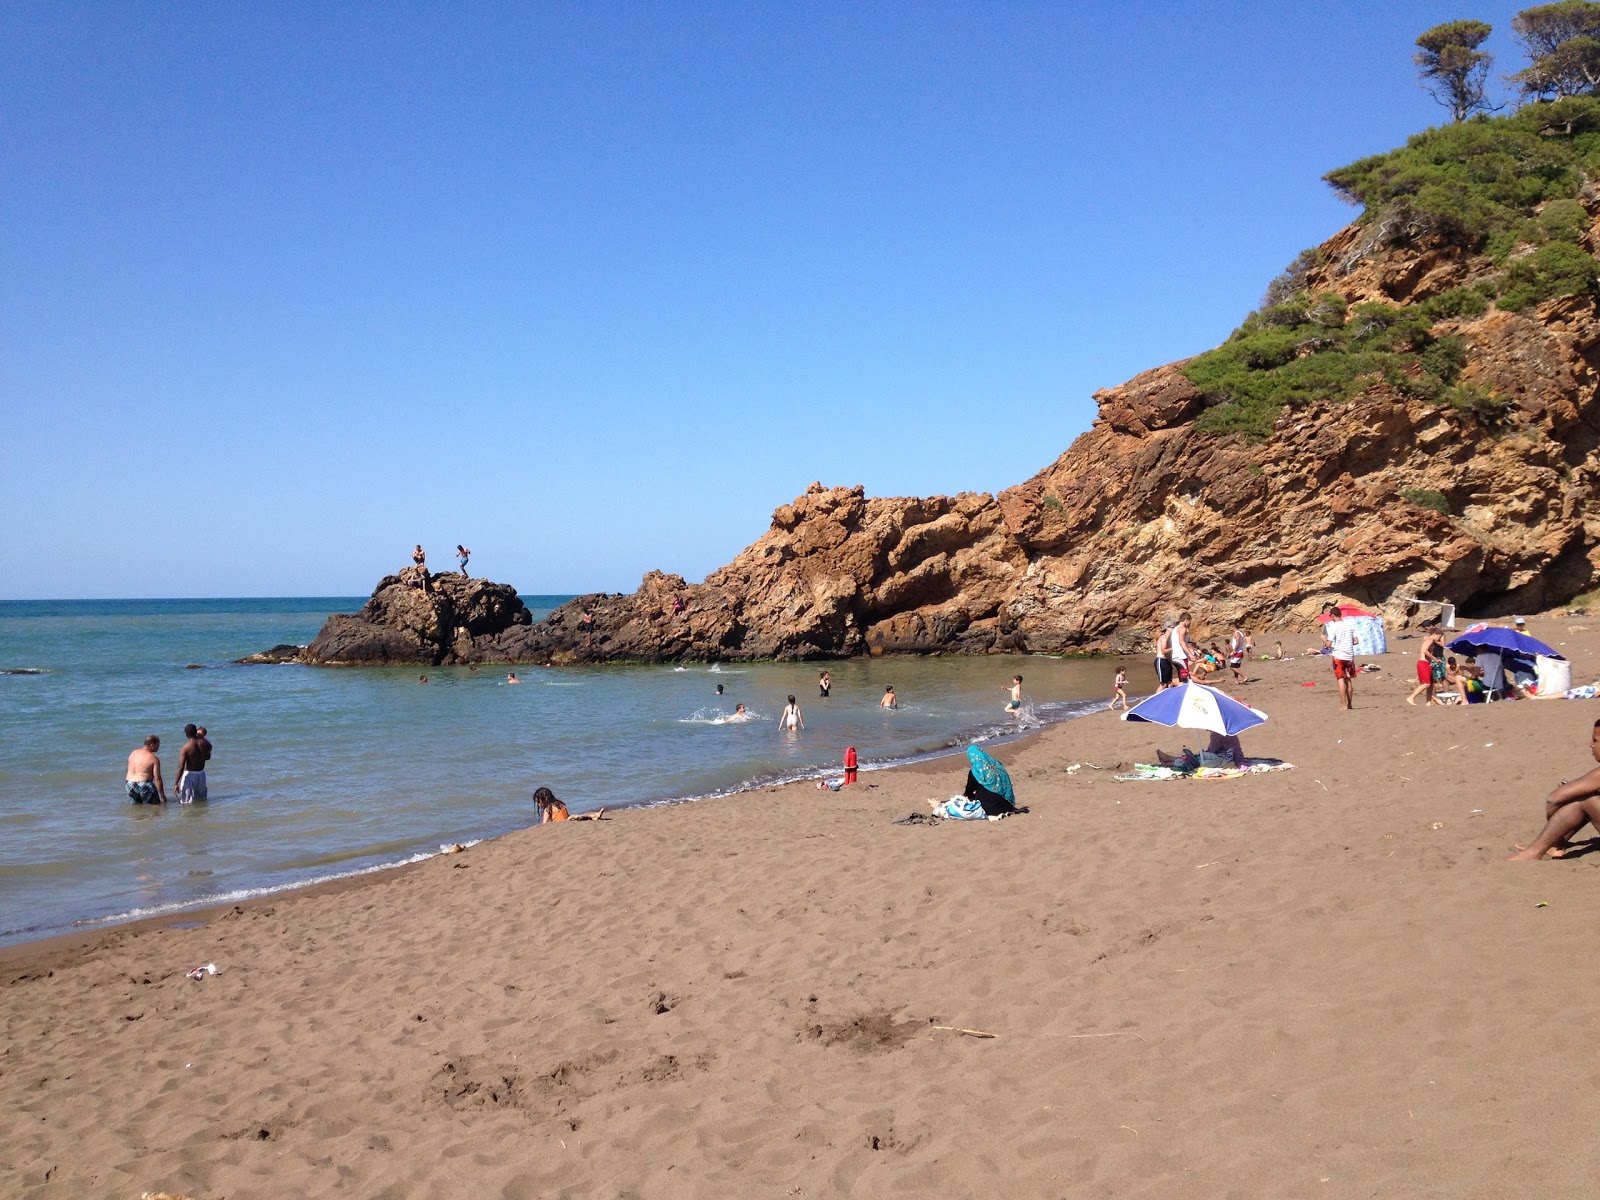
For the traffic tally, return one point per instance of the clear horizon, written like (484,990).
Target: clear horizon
(594,290)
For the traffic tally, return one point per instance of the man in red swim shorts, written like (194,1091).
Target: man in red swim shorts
(1341,637)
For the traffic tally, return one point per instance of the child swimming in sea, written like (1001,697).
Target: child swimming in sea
(1119,689)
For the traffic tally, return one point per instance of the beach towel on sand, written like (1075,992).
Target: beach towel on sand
(1252,766)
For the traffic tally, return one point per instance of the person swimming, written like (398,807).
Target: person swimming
(888,700)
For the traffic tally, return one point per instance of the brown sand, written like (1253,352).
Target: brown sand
(1316,983)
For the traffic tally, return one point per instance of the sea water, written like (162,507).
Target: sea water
(325,772)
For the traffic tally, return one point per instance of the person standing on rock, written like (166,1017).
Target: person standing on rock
(586,623)
(462,554)
(143,783)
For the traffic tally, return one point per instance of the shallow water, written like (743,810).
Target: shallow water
(320,773)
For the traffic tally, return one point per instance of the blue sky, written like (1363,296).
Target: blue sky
(593,288)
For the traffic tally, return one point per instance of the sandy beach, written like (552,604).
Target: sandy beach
(1319,982)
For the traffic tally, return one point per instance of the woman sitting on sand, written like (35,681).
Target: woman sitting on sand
(987,794)
(551,809)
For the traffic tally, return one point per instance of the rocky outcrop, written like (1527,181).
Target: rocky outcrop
(419,618)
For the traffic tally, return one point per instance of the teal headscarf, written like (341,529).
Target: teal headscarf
(990,773)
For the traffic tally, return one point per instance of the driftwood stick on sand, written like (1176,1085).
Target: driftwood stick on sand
(978,1033)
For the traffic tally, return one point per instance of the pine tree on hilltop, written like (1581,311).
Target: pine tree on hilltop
(1453,70)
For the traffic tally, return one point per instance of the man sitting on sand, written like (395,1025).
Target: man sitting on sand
(1567,809)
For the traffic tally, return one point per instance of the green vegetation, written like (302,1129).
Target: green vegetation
(1478,183)
(1563,44)
(1452,67)
(1559,269)
(1051,502)
(1506,187)
(1312,349)
(1488,407)
(1423,498)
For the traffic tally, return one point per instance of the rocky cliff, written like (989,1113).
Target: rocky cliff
(1385,495)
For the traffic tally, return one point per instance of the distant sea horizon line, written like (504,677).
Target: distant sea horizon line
(304,597)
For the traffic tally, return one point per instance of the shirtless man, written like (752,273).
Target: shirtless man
(143,784)
(1164,657)
(1567,809)
(191,785)
(888,700)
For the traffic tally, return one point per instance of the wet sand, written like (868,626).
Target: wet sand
(1318,982)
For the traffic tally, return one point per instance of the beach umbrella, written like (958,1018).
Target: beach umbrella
(1496,637)
(1196,706)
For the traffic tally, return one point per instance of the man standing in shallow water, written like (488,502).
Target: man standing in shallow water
(191,785)
(143,783)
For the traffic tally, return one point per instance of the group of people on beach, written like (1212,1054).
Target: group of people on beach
(1179,659)
(144,783)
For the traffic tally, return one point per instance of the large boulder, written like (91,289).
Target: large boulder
(419,618)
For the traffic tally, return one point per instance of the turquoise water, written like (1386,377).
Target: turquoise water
(320,773)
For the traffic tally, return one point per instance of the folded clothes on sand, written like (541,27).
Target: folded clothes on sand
(1252,766)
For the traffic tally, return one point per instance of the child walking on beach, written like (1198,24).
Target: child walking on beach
(1119,695)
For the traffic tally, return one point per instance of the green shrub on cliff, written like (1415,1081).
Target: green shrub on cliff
(1559,269)
(1489,185)
(1424,498)
(1310,349)
(1487,406)
(1459,302)
(1471,180)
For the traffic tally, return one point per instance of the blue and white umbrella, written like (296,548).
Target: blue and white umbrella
(1196,706)
(1496,637)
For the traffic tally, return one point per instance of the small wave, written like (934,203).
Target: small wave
(23,671)
(251,893)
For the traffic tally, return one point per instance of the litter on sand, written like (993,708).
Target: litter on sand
(201,972)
